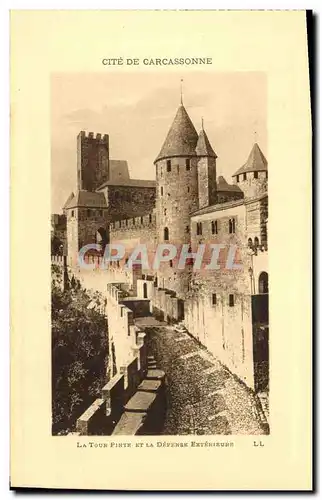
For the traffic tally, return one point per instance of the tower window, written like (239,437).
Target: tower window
(168,165)
(237,178)
(73,213)
(165,211)
(150,218)
(256,242)
(214,227)
(161,190)
(244,177)
(255,175)
(141,220)
(266,175)
(171,263)
(232,226)
(188,164)
(187,229)
(166,234)
(188,189)
(231,300)
(199,228)
(214,299)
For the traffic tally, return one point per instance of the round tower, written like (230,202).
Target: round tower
(252,176)
(176,195)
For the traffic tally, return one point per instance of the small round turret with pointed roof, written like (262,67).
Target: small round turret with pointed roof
(252,176)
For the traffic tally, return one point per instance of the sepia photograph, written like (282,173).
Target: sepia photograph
(159,254)
(148,323)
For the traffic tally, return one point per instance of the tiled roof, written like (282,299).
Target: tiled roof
(222,185)
(256,161)
(119,169)
(203,146)
(218,207)
(70,197)
(129,183)
(87,199)
(182,137)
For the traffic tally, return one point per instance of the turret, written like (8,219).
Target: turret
(206,171)
(177,191)
(252,176)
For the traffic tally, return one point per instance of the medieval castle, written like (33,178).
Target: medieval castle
(226,310)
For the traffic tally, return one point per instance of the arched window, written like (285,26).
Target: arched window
(161,190)
(145,291)
(188,164)
(256,242)
(168,165)
(250,242)
(263,282)
(165,211)
(166,234)
(171,263)
(101,237)
(234,225)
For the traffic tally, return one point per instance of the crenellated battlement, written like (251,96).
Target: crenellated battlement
(98,137)
(144,221)
(115,294)
(57,259)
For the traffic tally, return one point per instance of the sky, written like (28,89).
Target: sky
(136,111)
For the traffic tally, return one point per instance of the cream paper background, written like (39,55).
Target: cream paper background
(43,42)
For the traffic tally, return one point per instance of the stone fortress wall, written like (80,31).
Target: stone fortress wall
(225,310)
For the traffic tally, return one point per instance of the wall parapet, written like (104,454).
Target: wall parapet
(57,259)
(104,413)
(147,221)
(98,137)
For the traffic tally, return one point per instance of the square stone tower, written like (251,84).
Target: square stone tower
(92,160)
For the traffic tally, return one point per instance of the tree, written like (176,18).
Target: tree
(79,354)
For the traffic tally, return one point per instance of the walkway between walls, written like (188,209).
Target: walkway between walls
(202,396)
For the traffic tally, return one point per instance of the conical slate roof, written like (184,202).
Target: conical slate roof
(222,185)
(256,161)
(203,146)
(182,137)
